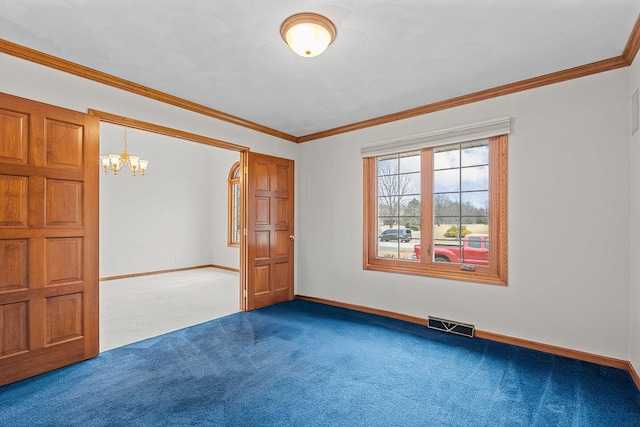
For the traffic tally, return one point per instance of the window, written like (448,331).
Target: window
(433,211)
(234,205)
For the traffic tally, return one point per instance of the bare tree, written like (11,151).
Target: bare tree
(412,213)
(393,189)
(446,209)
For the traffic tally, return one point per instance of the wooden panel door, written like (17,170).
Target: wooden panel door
(48,237)
(269,231)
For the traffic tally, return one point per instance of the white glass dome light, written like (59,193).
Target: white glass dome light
(308,34)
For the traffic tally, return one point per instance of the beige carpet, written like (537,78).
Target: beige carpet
(142,307)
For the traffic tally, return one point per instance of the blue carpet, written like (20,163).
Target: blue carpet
(306,364)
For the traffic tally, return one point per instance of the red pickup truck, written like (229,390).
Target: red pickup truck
(474,250)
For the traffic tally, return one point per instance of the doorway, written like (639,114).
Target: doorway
(171,222)
(49,311)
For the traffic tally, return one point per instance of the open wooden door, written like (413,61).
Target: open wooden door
(48,237)
(270,239)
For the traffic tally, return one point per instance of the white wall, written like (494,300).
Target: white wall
(172,217)
(568,207)
(634,232)
(568,220)
(43,84)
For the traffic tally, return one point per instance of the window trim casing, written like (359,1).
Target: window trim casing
(234,179)
(495,273)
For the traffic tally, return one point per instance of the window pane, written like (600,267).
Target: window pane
(475,203)
(412,223)
(446,240)
(446,204)
(388,185)
(396,242)
(446,157)
(461,203)
(446,180)
(398,184)
(387,166)
(388,206)
(410,163)
(387,222)
(411,208)
(473,156)
(233,225)
(235,213)
(475,178)
(409,184)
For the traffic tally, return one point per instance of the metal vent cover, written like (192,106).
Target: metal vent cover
(451,326)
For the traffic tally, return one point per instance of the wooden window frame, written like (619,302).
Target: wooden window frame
(234,180)
(495,273)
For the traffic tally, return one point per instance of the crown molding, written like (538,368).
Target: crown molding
(625,59)
(535,82)
(633,44)
(51,61)
(628,56)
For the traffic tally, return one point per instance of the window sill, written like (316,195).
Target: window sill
(482,274)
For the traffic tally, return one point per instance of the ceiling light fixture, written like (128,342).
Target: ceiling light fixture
(308,34)
(116,161)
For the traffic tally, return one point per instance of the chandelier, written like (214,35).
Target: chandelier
(115,162)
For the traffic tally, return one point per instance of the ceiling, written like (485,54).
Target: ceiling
(389,55)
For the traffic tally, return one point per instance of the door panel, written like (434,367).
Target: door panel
(14,126)
(13,264)
(64,202)
(48,237)
(63,145)
(269,225)
(14,319)
(14,191)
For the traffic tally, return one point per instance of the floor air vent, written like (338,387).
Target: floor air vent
(451,326)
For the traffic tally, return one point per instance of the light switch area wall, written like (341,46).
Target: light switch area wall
(173,217)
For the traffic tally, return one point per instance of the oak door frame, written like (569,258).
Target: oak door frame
(187,136)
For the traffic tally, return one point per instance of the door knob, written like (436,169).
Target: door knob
(292,237)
